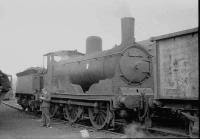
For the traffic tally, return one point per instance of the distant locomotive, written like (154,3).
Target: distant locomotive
(5,85)
(135,80)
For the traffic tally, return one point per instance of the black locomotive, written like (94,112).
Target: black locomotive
(144,81)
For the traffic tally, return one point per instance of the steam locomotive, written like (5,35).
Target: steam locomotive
(5,85)
(147,81)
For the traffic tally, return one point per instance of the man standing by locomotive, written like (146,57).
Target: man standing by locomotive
(45,108)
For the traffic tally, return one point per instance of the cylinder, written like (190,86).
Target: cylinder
(93,44)
(127,30)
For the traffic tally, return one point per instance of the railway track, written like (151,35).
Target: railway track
(149,133)
(64,122)
(89,128)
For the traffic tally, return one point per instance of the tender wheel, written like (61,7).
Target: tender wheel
(99,116)
(64,112)
(23,107)
(29,109)
(31,106)
(72,113)
(24,104)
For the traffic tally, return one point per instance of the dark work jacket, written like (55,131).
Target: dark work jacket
(46,101)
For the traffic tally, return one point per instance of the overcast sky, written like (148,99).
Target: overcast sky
(31,28)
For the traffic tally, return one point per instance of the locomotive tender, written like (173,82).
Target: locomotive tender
(130,81)
(28,89)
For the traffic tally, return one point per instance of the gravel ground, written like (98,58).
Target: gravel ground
(15,124)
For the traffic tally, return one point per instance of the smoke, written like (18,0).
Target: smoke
(122,9)
(134,130)
(113,9)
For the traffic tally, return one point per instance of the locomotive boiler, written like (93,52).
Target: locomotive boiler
(131,64)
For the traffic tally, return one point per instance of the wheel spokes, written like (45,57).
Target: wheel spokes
(99,117)
(65,113)
(72,113)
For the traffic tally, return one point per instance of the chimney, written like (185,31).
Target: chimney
(93,44)
(127,29)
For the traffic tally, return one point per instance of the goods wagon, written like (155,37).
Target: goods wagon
(177,65)
(176,75)
(28,89)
